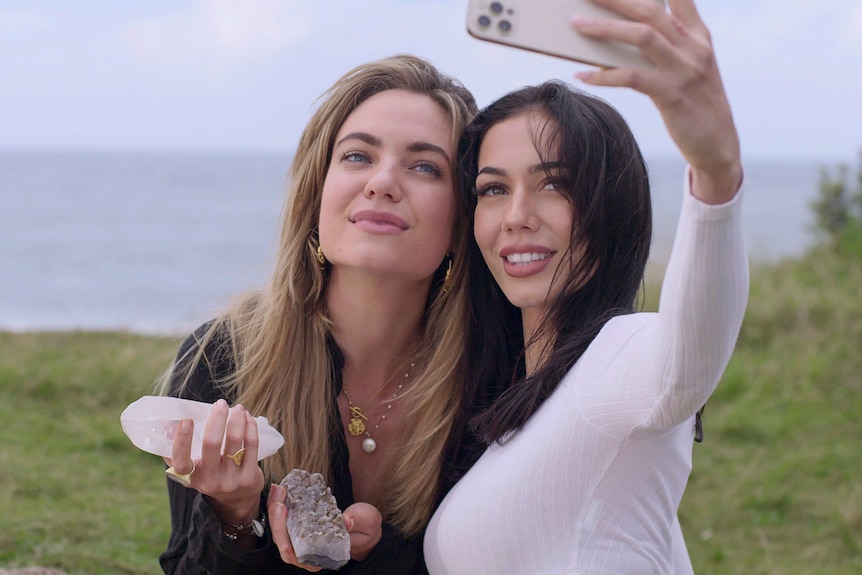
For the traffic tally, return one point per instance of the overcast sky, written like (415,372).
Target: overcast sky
(242,75)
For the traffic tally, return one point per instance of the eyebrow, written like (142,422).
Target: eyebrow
(534,169)
(376,142)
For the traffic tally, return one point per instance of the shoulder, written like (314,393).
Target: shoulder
(203,362)
(619,331)
(615,341)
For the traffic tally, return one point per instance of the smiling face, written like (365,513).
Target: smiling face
(522,222)
(388,202)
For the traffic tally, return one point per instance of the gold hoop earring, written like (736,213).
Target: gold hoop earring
(321,258)
(447,278)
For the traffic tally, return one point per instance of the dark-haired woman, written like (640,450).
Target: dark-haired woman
(590,444)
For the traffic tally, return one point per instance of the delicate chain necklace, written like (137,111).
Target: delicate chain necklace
(357,424)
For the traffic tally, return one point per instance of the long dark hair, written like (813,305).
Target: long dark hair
(605,179)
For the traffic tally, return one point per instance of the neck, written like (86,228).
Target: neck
(377,323)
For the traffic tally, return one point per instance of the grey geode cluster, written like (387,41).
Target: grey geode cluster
(314,522)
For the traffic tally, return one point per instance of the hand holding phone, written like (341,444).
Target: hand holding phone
(543,26)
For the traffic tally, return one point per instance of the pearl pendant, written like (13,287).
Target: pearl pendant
(369,445)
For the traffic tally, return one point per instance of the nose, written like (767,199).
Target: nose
(384,181)
(519,213)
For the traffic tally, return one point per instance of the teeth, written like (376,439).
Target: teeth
(526,258)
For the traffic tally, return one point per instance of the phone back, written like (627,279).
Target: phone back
(544,26)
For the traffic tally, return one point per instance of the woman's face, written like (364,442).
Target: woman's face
(522,221)
(388,201)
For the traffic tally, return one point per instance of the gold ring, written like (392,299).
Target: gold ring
(236,457)
(184,479)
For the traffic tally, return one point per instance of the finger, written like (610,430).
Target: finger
(365,525)
(650,12)
(277,511)
(235,431)
(214,432)
(252,439)
(181,450)
(639,80)
(686,12)
(653,44)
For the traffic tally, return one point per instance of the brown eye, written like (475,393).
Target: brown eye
(490,190)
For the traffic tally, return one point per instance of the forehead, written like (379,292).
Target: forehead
(518,140)
(403,115)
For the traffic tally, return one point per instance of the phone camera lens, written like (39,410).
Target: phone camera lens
(484,21)
(496,7)
(505,25)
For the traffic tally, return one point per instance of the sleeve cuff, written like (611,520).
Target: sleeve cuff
(710,212)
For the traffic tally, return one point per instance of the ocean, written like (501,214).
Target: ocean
(157,243)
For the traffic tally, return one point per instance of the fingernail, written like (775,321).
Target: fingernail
(186,425)
(585,76)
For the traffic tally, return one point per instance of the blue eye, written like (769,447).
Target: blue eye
(354,157)
(428,168)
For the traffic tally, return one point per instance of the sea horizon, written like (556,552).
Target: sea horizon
(158,241)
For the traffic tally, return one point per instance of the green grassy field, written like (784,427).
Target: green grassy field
(776,489)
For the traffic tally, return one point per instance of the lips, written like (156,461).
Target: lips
(525,261)
(378,221)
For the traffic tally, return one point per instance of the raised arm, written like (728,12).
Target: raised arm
(682,353)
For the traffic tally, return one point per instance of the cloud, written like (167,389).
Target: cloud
(218,35)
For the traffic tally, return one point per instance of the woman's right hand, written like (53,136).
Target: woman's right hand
(365,525)
(233,489)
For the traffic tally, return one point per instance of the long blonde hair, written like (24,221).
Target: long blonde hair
(277,336)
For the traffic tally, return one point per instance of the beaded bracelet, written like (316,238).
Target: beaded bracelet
(256,527)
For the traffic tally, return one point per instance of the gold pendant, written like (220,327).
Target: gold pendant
(356,425)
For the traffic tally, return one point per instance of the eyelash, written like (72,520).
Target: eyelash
(346,155)
(433,169)
(487,188)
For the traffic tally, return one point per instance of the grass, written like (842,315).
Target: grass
(74,493)
(776,486)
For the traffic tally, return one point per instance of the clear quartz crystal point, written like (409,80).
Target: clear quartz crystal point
(151,423)
(314,521)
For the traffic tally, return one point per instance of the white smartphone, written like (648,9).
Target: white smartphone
(543,26)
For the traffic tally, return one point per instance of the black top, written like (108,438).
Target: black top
(197,544)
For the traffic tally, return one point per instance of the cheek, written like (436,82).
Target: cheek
(441,217)
(484,228)
(329,210)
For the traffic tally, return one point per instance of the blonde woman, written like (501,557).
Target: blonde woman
(352,349)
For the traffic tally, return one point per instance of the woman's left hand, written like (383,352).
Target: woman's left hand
(685,86)
(277,512)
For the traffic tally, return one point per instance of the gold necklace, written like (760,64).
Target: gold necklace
(357,425)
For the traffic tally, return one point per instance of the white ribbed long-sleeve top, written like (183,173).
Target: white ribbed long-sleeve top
(591,484)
